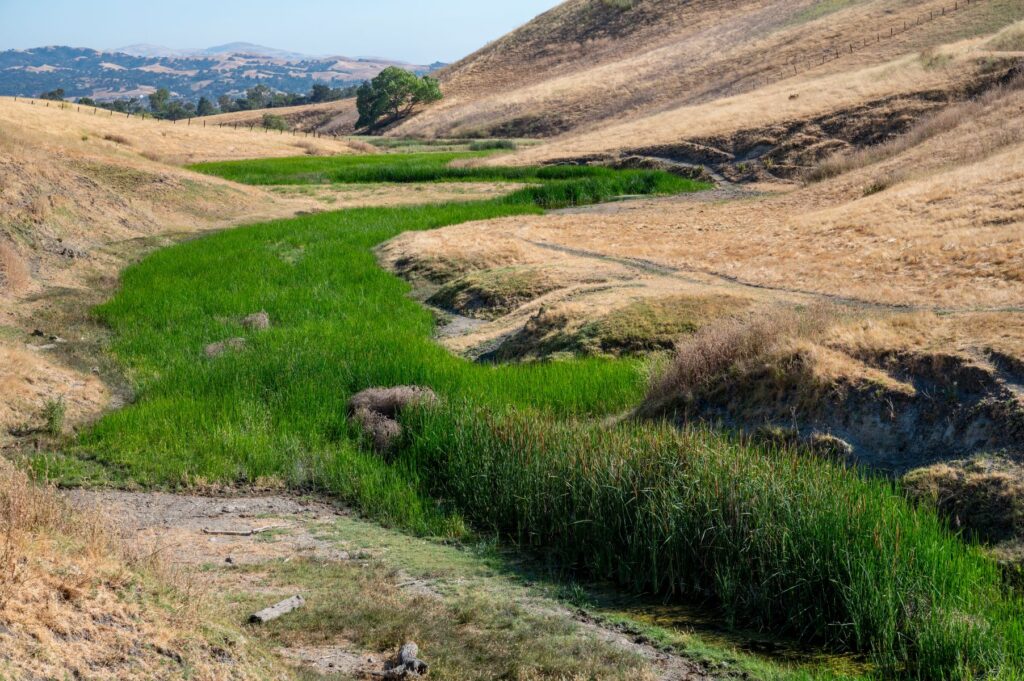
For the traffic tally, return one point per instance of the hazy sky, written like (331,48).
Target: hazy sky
(419,31)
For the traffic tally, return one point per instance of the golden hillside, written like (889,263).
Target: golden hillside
(657,67)
(590,63)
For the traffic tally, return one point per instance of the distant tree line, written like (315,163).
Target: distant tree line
(161,104)
(392,95)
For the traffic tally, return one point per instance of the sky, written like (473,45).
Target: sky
(416,31)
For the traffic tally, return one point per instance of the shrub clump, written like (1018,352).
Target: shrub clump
(984,497)
(274,122)
(728,347)
(487,145)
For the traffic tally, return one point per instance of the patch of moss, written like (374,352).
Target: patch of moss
(489,294)
(646,325)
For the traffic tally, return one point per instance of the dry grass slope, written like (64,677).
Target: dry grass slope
(589,64)
(75,602)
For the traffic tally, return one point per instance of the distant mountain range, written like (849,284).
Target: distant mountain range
(137,70)
(146,50)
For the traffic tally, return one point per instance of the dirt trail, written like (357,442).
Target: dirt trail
(201,535)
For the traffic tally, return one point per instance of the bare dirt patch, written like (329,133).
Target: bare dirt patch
(76,602)
(322,551)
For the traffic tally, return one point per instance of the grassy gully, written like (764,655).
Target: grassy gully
(773,538)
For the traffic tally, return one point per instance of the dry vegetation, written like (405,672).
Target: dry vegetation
(326,117)
(75,602)
(984,495)
(1010,39)
(707,357)
(587,66)
(177,143)
(556,74)
(944,237)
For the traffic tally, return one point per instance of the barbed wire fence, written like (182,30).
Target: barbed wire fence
(841,48)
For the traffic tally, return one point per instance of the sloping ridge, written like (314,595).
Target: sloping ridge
(592,63)
(576,34)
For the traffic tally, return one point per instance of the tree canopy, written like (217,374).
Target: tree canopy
(393,94)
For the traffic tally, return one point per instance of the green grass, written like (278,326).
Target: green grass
(498,573)
(418,167)
(775,539)
(554,186)
(772,539)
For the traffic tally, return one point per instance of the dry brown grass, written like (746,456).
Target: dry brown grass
(944,120)
(75,602)
(809,96)
(302,117)
(983,496)
(730,347)
(947,236)
(1010,39)
(177,143)
(575,69)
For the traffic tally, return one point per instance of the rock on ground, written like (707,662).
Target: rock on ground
(375,411)
(390,402)
(217,349)
(257,321)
